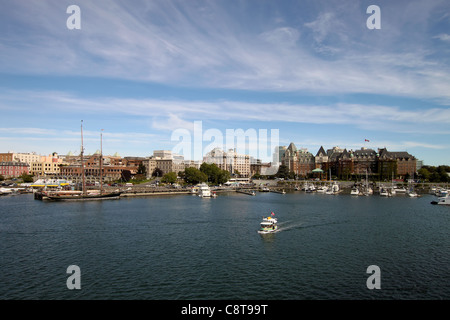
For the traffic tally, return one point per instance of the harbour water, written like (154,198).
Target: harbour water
(183,247)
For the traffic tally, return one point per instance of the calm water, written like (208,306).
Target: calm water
(185,247)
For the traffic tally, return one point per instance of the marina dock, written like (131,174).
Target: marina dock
(278,191)
(248,192)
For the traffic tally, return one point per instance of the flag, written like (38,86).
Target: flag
(272,213)
(366,140)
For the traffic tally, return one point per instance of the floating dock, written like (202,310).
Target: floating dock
(248,192)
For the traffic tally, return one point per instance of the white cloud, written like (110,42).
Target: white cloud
(171,114)
(171,122)
(443,37)
(211,45)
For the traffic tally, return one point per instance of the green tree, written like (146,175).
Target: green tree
(283,172)
(223,177)
(214,173)
(26,177)
(424,174)
(141,169)
(194,176)
(435,177)
(443,176)
(256,176)
(157,172)
(170,177)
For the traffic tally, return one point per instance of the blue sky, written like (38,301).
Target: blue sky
(141,69)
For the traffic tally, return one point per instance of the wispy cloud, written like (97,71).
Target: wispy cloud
(443,37)
(210,44)
(164,114)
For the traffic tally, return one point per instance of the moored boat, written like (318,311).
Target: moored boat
(62,196)
(442,201)
(5,191)
(84,194)
(204,191)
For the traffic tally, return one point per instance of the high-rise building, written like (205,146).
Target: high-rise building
(230,161)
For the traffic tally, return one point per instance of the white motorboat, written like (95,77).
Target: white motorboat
(412,194)
(5,191)
(335,187)
(268,225)
(442,201)
(204,191)
(194,190)
(384,192)
(400,190)
(354,191)
(322,189)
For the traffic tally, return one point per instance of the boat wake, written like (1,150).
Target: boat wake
(288,225)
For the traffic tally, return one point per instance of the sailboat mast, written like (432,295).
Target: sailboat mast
(101,162)
(83,174)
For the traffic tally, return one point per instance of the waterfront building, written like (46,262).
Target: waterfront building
(339,164)
(364,160)
(192,164)
(48,165)
(344,163)
(29,157)
(162,154)
(419,165)
(289,158)
(166,161)
(150,166)
(230,161)
(169,165)
(113,168)
(405,163)
(6,157)
(13,169)
(321,159)
(281,154)
(299,161)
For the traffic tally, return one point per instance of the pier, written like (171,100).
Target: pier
(278,191)
(248,192)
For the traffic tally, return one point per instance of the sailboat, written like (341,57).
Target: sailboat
(84,194)
(367,189)
(411,192)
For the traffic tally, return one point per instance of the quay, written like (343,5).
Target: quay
(278,191)
(153,193)
(248,192)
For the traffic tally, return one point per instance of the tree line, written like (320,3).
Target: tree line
(210,173)
(434,174)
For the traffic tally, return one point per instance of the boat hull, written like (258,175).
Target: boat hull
(268,231)
(109,196)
